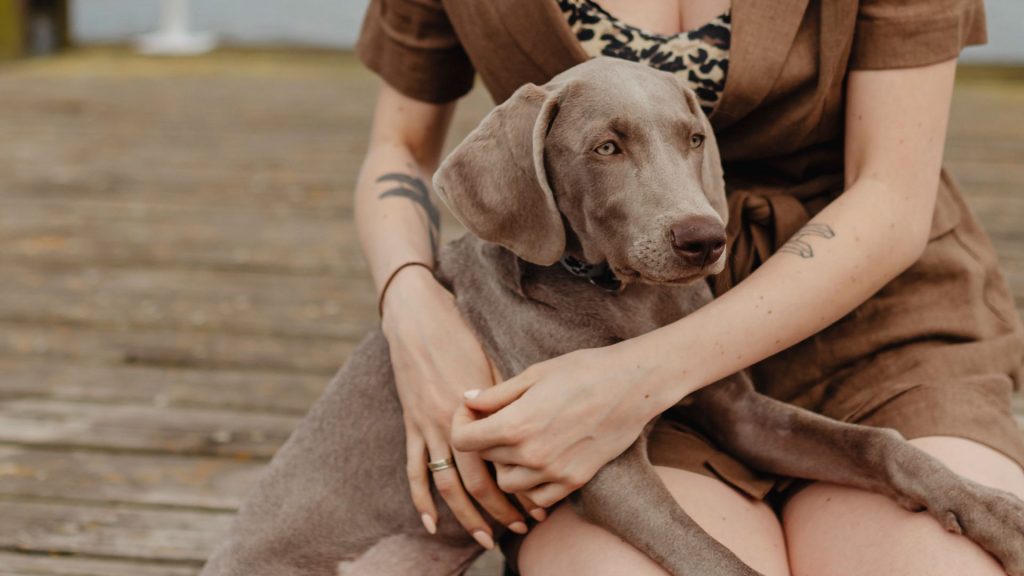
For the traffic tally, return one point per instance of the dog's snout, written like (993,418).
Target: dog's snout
(698,240)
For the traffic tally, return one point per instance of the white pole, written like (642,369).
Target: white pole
(173,37)
(174,16)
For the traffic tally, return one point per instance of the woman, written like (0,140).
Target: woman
(859,285)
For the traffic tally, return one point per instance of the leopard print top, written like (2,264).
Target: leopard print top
(701,55)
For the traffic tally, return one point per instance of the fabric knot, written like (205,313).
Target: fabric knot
(759,224)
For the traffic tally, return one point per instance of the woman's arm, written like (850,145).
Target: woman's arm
(434,354)
(895,132)
(395,214)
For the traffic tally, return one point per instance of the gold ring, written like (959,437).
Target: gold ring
(442,464)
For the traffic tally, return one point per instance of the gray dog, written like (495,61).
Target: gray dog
(531,185)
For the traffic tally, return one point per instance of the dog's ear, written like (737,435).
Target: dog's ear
(495,181)
(711,174)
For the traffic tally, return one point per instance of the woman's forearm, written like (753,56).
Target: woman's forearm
(847,253)
(395,215)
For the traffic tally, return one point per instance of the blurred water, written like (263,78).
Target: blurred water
(335,23)
(325,23)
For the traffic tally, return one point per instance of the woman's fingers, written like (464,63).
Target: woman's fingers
(449,485)
(477,480)
(498,396)
(535,489)
(419,480)
(548,495)
(489,432)
(520,479)
(539,514)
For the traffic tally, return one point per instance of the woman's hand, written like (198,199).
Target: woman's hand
(436,358)
(556,424)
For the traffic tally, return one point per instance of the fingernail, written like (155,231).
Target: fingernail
(518,527)
(538,514)
(428,523)
(484,539)
(470,394)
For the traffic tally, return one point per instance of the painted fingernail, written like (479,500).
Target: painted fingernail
(538,514)
(518,527)
(428,523)
(470,394)
(484,539)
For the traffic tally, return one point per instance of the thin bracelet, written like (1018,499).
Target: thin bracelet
(391,277)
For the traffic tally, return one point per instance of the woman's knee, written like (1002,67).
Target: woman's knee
(833,530)
(566,544)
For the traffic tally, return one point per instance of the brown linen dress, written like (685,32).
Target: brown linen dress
(936,352)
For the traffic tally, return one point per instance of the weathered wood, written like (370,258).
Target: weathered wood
(178,235)
(165,535)
(181,236)
(13,564)
(186,349)
(203,300)
(259,391)
(56,424)
(95,477)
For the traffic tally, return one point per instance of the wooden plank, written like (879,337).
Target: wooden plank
(175,236)
(165,535)
(77,425)
(96,477)
(205,300)
(234,390)
(13,564)
(190,349)
(278,189)
(180,236)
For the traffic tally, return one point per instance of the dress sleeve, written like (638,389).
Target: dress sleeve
(412,46)
(908,33)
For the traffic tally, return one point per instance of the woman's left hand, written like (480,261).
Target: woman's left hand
(552,427)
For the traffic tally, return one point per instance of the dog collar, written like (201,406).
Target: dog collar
(599,275)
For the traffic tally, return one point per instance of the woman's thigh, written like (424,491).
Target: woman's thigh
(566,544)
(833,530)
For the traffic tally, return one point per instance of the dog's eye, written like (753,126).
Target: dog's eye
(696,140)
(607,149)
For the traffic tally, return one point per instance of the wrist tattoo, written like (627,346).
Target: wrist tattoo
(415,189)
(800,245)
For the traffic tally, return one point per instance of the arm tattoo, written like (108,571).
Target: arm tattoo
(415,189)
(801,247)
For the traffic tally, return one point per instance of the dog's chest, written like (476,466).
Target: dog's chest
(526,315)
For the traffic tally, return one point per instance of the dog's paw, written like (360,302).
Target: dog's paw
(992,518)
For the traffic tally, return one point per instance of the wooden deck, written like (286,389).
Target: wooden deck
(180,277)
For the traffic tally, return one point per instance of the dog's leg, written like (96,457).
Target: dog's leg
(403,555)
(337,488)
(628,498)
(783,439)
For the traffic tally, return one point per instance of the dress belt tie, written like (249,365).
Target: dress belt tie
(759,224)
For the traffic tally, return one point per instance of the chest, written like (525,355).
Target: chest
(524,314)
(665,17)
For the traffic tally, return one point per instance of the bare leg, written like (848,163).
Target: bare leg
(836,530)
(567,544)
(782,439)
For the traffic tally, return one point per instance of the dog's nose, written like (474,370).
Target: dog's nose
(698,240)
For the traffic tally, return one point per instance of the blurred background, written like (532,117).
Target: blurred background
(178,268)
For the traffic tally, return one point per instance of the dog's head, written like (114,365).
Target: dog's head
(612,160)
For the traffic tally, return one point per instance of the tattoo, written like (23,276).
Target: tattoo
(801,247)
(415,189)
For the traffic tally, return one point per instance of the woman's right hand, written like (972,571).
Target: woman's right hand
(436,358)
